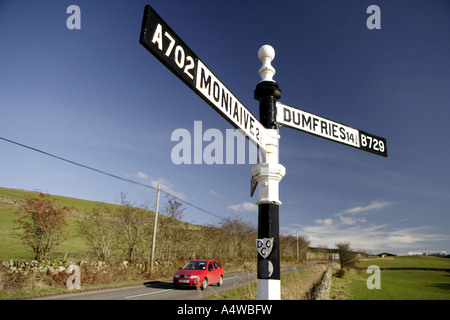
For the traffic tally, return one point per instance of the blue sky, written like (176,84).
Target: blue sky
(97,97)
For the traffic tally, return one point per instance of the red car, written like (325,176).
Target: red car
(199,273)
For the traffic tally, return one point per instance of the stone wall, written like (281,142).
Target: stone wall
(323,291)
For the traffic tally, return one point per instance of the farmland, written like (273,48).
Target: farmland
(401,278)
(231,241)
(12,248)
(237,236)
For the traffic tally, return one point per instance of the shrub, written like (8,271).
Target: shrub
(42,224)
(341,273)
(347,257)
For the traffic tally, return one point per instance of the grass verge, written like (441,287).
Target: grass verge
(297,285)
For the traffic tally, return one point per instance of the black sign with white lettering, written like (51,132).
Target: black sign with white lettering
(370,143)
(158,38)
(331,130)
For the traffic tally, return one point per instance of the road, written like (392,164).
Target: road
(159,290)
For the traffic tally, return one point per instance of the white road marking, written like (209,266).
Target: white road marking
(161,291)
(146,294)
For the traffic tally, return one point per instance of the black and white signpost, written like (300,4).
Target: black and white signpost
(268,173)
(158,38)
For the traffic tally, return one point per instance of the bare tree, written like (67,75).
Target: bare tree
(174,208)
(98,229)
(133,230)
(290,246)
(237,238)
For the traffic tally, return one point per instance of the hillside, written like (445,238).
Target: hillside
(128,232)
(12,248)
(231,241)
(74,245)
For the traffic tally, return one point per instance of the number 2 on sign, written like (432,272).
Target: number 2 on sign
(372,143)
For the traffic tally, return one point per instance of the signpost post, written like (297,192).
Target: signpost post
(268,173)
(158,38)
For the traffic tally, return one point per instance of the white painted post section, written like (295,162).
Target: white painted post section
(269,173)
(266,54)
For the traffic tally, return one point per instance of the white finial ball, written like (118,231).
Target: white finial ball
(266,52)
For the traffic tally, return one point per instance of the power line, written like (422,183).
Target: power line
(110,175)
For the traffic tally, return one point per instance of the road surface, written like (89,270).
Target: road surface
(158,290)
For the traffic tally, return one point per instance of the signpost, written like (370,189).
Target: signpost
(158,38)
(322,127)
(268,173)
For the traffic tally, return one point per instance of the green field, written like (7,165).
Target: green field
(397,284)
(12,248)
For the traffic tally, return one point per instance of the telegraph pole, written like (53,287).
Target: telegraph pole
(154,229)
(268,173)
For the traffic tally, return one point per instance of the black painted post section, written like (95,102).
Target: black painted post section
(267,93)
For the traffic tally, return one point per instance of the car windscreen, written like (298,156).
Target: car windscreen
(195,265)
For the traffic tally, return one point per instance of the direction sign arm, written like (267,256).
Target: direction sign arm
(310,123)
(160,40)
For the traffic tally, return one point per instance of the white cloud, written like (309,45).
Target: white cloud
(166,186)
(138,175)
(371,238)
(351,220)
(214,193)
(143,176)
(244,207)
(362,234)
(328,221)
(375,205)
(353,216)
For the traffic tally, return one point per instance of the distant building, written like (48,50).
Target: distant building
(385,254)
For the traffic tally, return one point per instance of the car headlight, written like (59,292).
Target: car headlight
(176,276)
(195,277)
